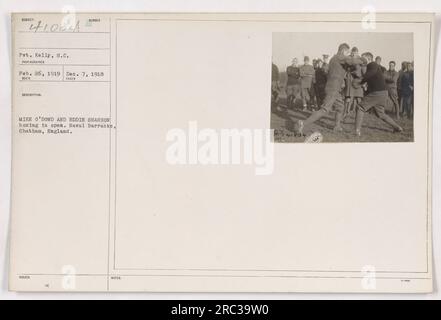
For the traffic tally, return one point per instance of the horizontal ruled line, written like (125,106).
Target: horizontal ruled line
(32,48)
(67,65)
(65,32)
(221,276)
(60,81)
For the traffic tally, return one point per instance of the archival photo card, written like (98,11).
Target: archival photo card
(160,152)
(342,87)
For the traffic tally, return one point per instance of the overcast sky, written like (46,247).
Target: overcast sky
(390,46)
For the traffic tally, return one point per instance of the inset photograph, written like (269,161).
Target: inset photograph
(342,87)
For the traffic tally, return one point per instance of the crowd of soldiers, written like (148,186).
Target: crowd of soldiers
(347,83)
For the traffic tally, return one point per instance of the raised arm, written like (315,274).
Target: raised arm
(351,60)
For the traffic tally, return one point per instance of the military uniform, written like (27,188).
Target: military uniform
(320,84)
(391,77)
(274,82)
(335,81)
(325,65)
(293,84)
(307,75)
(406,88)
(353,78)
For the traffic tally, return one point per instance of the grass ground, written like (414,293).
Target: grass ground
(374,129)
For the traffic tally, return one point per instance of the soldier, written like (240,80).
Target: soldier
(307,74)
(274,85)
(313,91)
(406,88)
(333,89)
(353,89)
(325,63)
(400,74)
(320,82)
(391,77)
(411,70)
(293,85)
(378,61)
(376,96)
